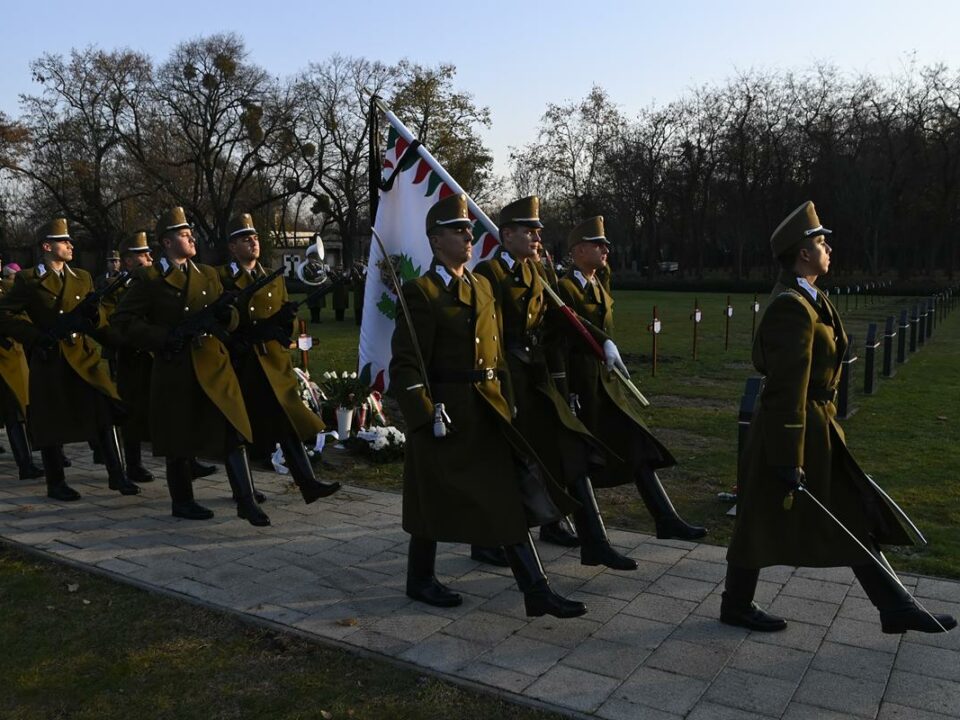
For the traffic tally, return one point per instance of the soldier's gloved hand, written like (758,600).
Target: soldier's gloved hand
(268,331)
(91,314)
(790,477)
(286,315)
(612,358)
(223,314)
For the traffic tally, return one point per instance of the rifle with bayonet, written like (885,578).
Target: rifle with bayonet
(82,318)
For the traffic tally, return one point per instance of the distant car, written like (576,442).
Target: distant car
(668,266)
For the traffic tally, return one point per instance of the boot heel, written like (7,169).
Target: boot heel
(252,513)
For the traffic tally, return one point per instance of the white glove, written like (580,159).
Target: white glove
(612,358)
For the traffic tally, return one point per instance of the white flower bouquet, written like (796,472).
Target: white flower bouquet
(379,444)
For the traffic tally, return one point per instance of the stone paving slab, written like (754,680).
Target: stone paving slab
(650,646)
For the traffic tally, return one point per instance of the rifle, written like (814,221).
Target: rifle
(205,322)
(77,319)
(332,280)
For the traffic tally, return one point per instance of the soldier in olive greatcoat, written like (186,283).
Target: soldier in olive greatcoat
(196,407)
(794,438)
(341,296)
(608,410)
(259,348)
(475,480)
(72,397)
(132,365)
(542,413)
(14,378)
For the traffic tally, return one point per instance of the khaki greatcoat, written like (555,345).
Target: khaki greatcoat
(14,372)
(799,347)
(465,487)
(270,389)
(611,413)
(195,399)
(543,415)
(62,386)
(133,369)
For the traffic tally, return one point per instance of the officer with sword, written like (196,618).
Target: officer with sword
(803,498)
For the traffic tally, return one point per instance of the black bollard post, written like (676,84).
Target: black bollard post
(914,328)
(921,324)
(902,339)
(846,301)
(748,402)
(889,333)
(844,407)
(870,360)
(930,318)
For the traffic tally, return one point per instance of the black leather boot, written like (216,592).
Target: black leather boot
(64,460)
(133,454)
(538,598)
(898,611)
(298,463)
(97,452)
(669,523)
(180,485)
(57,487)
(199,470)
(22,453)
(595,548)
(238,472)
(489,555)
(559,533)
(117,475)
(422,583)
(737,606)
(257,495)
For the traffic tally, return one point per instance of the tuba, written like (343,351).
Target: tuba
(312,270)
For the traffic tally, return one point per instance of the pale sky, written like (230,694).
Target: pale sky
(513,56)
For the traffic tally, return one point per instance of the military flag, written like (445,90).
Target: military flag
(411,181)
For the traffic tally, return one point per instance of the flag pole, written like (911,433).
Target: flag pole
(436,166)
(493,230)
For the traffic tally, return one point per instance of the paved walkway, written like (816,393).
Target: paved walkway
(650,646)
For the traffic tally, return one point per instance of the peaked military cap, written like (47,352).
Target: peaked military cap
(590,230)
(241,224)
(452,211)
(113,255)
(802,223)
(172,219)
(56,229)
(525,211)
(137,244)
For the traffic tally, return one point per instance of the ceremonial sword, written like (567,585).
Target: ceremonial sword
(873,558)
(579,324)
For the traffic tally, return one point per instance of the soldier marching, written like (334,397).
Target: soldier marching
(201,367)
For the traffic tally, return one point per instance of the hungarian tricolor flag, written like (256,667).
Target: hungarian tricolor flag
(411,182)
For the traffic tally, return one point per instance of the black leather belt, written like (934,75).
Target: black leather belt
(466,376)
(822,394)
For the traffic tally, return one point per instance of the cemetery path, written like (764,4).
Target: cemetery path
(649,647)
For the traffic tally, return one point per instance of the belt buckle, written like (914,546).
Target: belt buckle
(489,373)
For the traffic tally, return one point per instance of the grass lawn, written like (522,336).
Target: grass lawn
(906,435)
(106,651)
